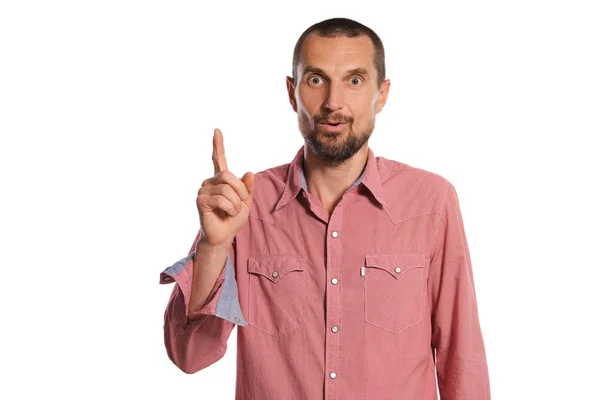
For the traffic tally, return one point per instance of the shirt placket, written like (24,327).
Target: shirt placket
(333,313)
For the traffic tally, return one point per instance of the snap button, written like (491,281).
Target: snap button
(398,269)
(275,274)
(334,281)
(334,234)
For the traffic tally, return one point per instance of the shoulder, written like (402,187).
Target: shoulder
(273,178)
(395,172)
(401,182)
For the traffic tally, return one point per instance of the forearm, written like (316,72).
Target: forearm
(209,262)
(196,335)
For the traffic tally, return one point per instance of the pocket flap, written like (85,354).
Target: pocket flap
(396,264)
(275,268)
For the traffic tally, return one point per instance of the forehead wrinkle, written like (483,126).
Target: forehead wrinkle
(349,71)
(348,61)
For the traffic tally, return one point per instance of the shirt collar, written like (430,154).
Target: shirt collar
(295,180)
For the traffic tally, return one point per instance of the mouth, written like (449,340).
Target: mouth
(332,126)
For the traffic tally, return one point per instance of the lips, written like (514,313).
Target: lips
(332,126)
(332,123)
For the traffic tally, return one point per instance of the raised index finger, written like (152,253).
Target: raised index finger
(218,155)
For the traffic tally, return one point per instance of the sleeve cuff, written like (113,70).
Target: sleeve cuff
(169,274)
(222,302)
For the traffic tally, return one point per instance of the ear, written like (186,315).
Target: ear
(382,95)
(289,82)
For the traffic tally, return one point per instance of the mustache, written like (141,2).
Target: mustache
(323,117)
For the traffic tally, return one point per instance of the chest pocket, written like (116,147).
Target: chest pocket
(394,290)
(277,293)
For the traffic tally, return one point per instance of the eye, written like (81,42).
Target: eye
(355,81)
(315,80)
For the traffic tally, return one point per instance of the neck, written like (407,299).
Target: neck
(328,182)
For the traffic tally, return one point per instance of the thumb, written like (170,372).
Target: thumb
(248,180)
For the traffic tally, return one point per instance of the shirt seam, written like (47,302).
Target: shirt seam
(438,223)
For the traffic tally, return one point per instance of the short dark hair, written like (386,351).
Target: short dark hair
(335,27)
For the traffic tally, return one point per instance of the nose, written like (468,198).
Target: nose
(335,97)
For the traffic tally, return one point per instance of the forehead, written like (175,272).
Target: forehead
(337,53)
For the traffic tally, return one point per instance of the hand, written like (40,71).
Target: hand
(224,200)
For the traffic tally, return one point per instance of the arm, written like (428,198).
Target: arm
(204,304)
(196,335)
(461,364)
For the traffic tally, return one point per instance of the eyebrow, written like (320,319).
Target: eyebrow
(315,70)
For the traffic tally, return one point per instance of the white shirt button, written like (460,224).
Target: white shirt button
(334,329)
(334,281)
(275,274)
(398,269)
(332,375)
(334,234)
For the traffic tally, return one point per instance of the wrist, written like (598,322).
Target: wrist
(204,247)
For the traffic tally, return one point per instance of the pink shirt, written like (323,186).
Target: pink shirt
(374,301)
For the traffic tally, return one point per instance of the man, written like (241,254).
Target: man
(348,274)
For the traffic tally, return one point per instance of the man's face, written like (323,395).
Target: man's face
(336,95)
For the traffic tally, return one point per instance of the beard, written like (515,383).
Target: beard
(335,147)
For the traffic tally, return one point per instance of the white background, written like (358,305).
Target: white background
(107,111)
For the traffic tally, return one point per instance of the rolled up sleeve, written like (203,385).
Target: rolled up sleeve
(197,340)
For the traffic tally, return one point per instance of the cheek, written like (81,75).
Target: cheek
(303,115)
(361,107)
(303,112)
(367,107)
(310,99)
